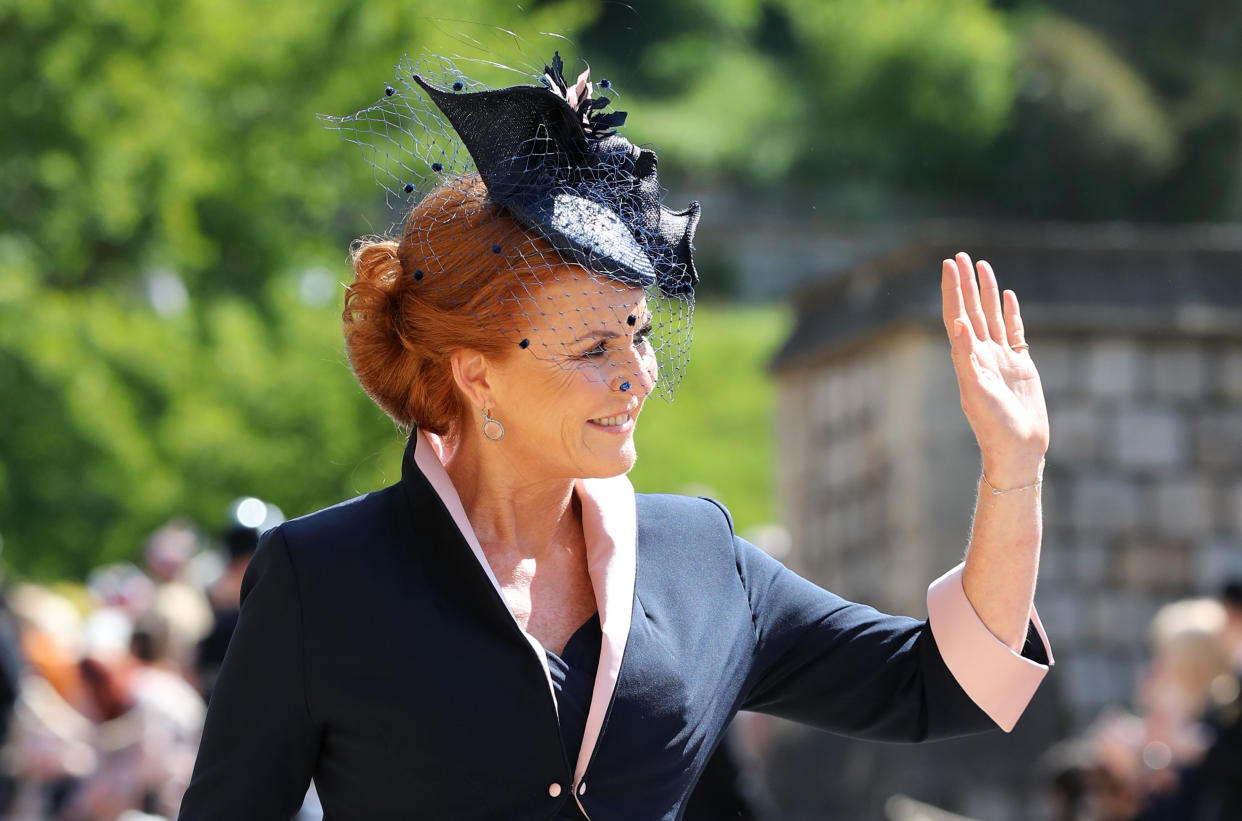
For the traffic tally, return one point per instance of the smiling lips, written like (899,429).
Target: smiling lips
(612,421)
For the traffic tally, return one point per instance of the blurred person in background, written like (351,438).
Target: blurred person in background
(105,724)
(1116,782)
(10,683)
(1150,765)
(1221,773)
(116,782)
(169,549)
(181,602)
(49,747)
(175,711)
(1063,788)
(249,518)
(121,586)
(1174,695)
(145,719)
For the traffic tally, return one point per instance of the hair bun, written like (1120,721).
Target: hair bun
(401,326)
(373,339)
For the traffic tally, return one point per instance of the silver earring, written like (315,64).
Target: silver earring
(492,428)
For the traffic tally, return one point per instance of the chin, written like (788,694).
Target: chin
(615,464)
(629,455)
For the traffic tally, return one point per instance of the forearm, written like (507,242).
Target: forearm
(1002,561)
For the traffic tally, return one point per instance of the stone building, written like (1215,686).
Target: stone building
(1137,334)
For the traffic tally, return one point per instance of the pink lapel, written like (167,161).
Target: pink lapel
(610,527)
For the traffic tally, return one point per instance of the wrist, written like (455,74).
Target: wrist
(1002,474)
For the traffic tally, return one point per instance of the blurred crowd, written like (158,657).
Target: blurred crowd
(1176,753)
(104,686)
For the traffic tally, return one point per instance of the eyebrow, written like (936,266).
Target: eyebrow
(605,334)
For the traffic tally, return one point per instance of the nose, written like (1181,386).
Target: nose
(636,376)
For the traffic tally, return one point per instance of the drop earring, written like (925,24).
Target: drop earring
(492,428)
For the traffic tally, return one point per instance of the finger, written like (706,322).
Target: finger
(951,297)
(956,323)
(1015,333)
(970,295)
(989,291)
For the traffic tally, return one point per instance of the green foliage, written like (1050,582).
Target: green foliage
(1165,76)
(119,418)
(909,91)
(1089,135)
(760,91)
(1100,96)
(144,136)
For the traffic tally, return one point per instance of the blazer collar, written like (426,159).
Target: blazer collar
(610,529)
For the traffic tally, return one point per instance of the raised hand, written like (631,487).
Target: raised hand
(999,385)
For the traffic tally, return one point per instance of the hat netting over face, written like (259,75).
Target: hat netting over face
(569,203)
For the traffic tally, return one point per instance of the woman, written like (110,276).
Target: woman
(509,631)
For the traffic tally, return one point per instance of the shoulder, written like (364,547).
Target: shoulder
(688,531)
(339,551)
(361,520)
(687,561)
(670,509)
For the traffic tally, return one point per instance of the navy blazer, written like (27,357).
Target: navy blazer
(375,654)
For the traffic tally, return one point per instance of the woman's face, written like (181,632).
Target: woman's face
(569,399)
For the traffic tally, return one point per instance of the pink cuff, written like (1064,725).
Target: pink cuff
(995,677)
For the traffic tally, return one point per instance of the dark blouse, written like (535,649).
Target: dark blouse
(573,679)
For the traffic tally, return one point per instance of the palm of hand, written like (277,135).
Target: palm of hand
(1000,389)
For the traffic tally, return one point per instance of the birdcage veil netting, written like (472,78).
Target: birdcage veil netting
(538,177)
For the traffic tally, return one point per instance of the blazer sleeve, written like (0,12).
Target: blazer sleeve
(259,744)
(847,668)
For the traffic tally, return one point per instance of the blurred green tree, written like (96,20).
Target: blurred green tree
(1179,105)
(182,136)
(813,91)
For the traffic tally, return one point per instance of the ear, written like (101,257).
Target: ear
(472,373)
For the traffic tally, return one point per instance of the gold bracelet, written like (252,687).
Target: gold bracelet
(995,492)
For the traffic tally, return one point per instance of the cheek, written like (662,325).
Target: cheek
(562,390)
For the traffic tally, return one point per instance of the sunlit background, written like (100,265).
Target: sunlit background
(174,226)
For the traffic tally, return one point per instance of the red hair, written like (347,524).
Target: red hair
(449,284)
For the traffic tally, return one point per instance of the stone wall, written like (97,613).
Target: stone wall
(1144,489)
(868,458)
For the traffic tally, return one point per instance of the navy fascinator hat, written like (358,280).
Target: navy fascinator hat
(528,168)
(551,156)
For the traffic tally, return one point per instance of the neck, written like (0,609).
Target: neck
(511,509)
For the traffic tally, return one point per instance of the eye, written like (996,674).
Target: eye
(640,339)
